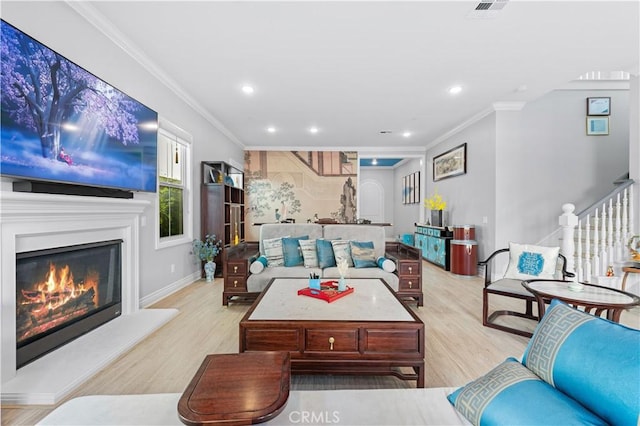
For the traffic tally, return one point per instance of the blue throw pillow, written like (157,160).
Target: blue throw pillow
(325,254)
(592,360)
(363,255)
(510,394)
(292,251)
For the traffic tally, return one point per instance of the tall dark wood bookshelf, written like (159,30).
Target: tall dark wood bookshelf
(222,206)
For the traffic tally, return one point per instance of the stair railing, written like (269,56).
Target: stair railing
(603,230)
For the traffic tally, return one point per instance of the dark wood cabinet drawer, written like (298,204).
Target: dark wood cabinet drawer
(235,283)
(271,340)
(409,268)
(323,340)
(237,267)
(409,284)
(392,341)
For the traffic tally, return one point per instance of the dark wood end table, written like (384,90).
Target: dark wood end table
(237,389)
(593,298)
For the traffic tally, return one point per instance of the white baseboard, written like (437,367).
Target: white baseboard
(168,290)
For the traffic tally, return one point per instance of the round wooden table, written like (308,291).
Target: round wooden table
(594,299)
(628,270)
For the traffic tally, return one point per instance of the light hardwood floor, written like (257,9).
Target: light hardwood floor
(458,347)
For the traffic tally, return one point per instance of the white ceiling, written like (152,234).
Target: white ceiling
(356,68)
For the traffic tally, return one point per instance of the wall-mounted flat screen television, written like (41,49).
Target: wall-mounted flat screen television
(60,123)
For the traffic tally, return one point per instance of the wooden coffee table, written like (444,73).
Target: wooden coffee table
(368,332)
(237,389)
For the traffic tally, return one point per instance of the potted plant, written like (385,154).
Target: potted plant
(206,251)
(436,204)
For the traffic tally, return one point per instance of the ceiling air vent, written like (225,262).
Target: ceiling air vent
(487,8)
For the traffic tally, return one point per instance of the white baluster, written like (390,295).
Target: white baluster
(587,254)
(568,222)
(579,253)
(610,234)
(631,216)
(596,253)
(625,219)
(618,231)
(603,241)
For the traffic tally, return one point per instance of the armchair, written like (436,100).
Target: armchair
(525,262)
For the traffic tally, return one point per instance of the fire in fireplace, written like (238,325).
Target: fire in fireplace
(63,293)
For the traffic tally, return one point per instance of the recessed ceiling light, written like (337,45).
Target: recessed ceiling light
(271,129)
(247,89)
(406,134)
(455,90)
(374,161)
(313,129)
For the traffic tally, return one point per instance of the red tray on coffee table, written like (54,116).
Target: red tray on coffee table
(328,291)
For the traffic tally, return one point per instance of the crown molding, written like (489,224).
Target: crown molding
(460,127)
(106,27)
(508,106)
(392,151)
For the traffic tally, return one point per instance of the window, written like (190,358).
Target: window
(174,186)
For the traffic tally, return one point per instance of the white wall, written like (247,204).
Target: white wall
(406,215)
(57,26)
(383,178)
(470,197)
(523,165)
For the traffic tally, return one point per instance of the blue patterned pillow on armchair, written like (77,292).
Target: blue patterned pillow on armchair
(593,360)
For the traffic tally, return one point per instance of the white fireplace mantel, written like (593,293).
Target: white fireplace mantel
(39,221)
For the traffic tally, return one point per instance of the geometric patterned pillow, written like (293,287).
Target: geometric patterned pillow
(511,394)
(309,253)
(273,251)
(590,359)
(342,251)
(528,262)
(363,255)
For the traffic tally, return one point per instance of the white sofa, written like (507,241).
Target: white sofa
(576,369)
(256,282)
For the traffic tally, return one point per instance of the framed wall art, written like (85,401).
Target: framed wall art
(597,126)
(451,163)
(411,188)
(599,106)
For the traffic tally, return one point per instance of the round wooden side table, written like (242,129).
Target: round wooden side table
(628,270)
(593,298)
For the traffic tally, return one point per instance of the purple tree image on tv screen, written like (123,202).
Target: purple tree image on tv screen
(60,122)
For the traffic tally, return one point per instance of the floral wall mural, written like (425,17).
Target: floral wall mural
(300,186)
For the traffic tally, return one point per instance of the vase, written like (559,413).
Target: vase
(436,217)
(209,270)
(342,284)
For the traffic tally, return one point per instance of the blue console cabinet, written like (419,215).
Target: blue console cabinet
(433,242)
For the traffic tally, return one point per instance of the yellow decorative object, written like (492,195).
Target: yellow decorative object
(435,202)
(610,271)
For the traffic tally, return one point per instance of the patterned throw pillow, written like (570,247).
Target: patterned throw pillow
(528,262)
(512,394)
(363,255)
(291,250)
(309,253)
(326,258)
(592,360)
(342,250)
(273,251)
